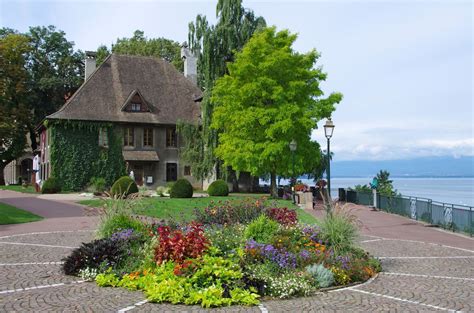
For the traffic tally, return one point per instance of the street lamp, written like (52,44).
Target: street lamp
(328,130)
(293,147)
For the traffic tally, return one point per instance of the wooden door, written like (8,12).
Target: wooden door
(171,171)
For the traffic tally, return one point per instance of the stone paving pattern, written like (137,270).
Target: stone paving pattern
(408,251)
(452,294)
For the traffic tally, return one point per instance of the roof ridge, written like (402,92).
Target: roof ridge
(140,56)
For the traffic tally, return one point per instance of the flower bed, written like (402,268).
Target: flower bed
(234,253)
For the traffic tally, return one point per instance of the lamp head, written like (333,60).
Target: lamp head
(293,145)
(328,128)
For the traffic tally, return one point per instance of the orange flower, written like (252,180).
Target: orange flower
(134,275)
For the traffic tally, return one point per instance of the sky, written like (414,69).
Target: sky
(405,68)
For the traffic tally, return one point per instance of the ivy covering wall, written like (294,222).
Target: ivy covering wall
(76,156)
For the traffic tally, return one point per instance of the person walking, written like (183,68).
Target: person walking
(35,174)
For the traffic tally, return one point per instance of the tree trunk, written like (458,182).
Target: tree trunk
(255,183)
(273,186)
(233,179)
(2,178)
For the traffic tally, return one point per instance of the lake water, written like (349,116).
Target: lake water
(449,190)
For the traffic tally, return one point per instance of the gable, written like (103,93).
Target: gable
(135,103)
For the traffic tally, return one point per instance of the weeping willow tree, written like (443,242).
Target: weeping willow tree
(214,46)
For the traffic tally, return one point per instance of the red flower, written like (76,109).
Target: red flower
(178,246)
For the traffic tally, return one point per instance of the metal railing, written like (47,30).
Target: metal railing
(458,218)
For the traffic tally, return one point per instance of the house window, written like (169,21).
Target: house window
(136,107)
(171,137)
(128,136)
(187,170)
(103,138)
(148,137)
(171,171)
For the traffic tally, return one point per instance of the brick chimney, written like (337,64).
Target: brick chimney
(90,64)
(190,63)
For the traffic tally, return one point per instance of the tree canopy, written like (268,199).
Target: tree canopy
(385,185)
(55,69)
(270,97)
(140,45)
(214,46)
(39,71)
(14,114)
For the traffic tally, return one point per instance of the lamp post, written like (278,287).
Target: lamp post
(293,147)
(328,130)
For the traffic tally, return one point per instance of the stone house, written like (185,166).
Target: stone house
(137,99)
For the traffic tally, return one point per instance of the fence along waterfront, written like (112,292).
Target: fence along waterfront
(458,218)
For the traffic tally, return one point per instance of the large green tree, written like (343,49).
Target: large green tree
(214,46)
(14,113)
(56,70)
(140,45)
(39,71)
(270,97)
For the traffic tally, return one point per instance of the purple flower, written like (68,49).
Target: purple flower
(280,257)
(304,254)
(122,235)
(344,261)
(312,233)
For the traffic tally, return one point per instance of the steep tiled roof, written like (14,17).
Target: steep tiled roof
(168,94)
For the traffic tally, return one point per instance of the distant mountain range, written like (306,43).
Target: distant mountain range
(420,167)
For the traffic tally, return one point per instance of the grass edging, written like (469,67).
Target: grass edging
(13,215)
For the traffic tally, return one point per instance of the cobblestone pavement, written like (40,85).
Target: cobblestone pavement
(435,273)
(417,277)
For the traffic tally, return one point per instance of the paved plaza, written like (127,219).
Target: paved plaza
(424,270)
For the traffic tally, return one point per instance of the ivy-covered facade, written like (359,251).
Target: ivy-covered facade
(122,120)
(75,156)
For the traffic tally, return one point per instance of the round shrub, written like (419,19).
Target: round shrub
(181,189)
(51,185)
(123,187)
(218,188)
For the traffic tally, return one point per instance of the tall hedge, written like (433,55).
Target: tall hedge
(76,156)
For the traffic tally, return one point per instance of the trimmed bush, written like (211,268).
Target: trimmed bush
(218,188)
(123,187)
(51,185)
(181,189)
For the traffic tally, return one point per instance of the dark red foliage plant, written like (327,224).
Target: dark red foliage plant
(284,216)
(178,245)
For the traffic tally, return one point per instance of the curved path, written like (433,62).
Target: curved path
(435,273)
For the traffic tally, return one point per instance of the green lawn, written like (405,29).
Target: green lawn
(18,188)
(11,215)
(182,209)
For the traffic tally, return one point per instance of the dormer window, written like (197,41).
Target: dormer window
(135,103)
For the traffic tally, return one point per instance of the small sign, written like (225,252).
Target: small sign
(375,183)
(149,179)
